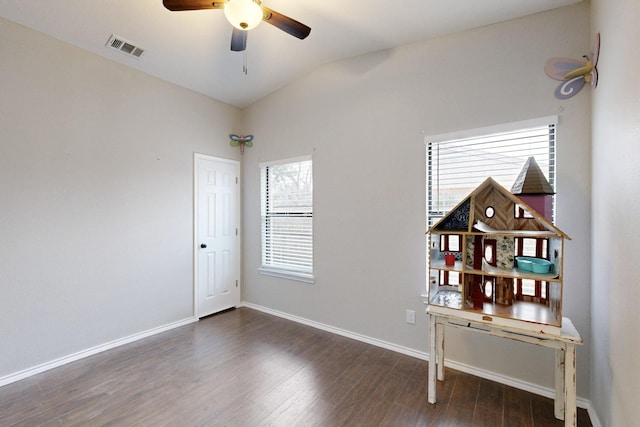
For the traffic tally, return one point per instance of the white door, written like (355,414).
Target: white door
(217,260)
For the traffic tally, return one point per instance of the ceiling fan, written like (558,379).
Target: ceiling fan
(244,15)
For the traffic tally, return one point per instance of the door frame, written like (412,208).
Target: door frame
(196,157)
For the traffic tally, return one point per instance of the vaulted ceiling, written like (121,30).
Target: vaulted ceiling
(192,48)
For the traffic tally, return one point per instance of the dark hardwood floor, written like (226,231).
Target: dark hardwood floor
(246,368)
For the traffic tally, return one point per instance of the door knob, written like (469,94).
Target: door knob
(203,246)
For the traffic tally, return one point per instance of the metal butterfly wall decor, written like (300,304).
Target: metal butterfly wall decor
(574,73)
(241,141)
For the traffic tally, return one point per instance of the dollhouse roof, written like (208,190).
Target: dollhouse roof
(473,214)
(531,180)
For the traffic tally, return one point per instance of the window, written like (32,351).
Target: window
(528,289)
(490,246)
(287,219)
(458,163)
(450,242)
(449,278)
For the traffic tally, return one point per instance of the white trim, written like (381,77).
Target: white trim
(472,370)
(285,161)
(513,382)
(488,130)
(287,274)
(20,375)
(197,156)
(593,416)
(339,331)
(502,379)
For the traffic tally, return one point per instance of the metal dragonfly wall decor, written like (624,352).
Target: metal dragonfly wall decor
(241,141)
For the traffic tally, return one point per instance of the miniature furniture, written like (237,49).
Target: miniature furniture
(563,342)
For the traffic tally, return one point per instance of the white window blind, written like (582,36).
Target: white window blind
(456,166)
(287,218)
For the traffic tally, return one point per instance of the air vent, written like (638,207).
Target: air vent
(124,46)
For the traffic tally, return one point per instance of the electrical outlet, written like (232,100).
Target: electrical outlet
(411,317)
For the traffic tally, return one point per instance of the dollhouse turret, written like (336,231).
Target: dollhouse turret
(532,187)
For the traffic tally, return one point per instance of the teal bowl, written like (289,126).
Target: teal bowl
(535,265)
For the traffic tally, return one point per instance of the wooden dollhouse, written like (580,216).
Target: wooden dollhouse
(494,259)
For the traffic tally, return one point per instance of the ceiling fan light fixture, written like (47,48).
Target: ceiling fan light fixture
(243,14)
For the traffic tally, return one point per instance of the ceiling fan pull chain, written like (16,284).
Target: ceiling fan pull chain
(244,62)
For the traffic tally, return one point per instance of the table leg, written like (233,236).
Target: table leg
(431,381)
(440,349)
(559,402)
(570,414)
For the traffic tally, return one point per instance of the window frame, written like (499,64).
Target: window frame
(286,271)
(434,215)
(540,287)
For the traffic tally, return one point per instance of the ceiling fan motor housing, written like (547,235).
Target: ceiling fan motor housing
(243,14)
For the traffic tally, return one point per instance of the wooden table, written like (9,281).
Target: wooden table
(565,357)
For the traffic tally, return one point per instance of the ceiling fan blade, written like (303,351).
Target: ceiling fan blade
(238,40)
(176,5)
(286,24)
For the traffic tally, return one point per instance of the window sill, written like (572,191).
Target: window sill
(287,274)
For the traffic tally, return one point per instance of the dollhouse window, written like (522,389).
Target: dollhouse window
(531,247)
(449,278)
(489,212)
(450,242)
(529,289)
(490,251)
(519,212)
(488,289)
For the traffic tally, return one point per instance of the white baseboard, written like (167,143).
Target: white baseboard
(17,376)
(373,341)
(493,376)
(593,416)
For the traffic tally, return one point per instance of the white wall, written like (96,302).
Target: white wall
(96,198)
(363,120)
(96,186)
(615,380)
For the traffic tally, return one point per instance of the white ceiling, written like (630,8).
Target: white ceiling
(191,48)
